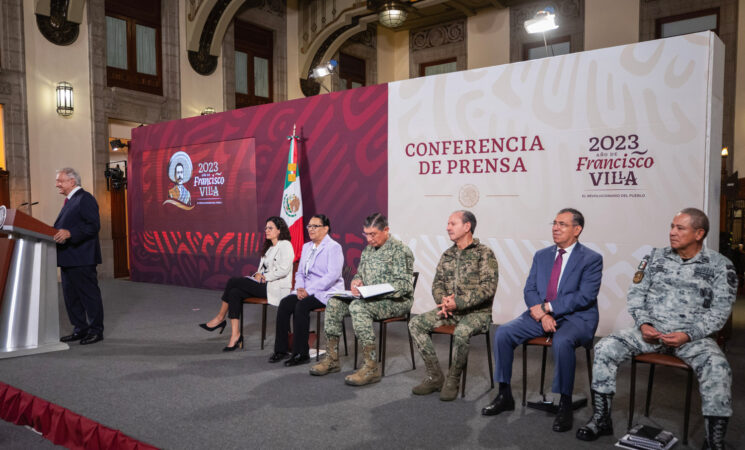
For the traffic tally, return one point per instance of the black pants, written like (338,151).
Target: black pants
(83,299)
(300,311)
(239,288)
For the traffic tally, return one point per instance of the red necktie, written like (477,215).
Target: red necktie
(553,282)
(66,199)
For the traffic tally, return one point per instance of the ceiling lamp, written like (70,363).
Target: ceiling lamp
(544,20)
(392,14)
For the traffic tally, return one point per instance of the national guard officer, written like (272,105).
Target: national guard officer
(680,295)
(384,260)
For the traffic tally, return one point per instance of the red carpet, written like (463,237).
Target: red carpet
(59,425)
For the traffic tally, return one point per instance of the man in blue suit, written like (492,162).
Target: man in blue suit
(78,253)
(561,296)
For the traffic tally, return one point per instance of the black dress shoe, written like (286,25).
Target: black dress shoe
(238,344)
(278,356)
(220,325)
(72,337)
(297,359)
(563,420)
(91,339)
(500,404)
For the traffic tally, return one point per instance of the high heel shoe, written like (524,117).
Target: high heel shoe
(238,344)
(220,325)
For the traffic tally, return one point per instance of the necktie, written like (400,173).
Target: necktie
(553,282)
(66,199)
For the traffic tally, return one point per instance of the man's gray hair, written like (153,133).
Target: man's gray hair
(698,219)
(71,173)
(468,217)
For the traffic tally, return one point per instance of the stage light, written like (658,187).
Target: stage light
(65,105)
(207,111)
(392,14)
(324,70)
(117,144)
(725,151)
(544,20)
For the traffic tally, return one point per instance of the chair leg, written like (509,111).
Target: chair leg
(355,352)
(263,325)
(525,370)
(463,381)
(632,393)
(383,337)
(241,317)
(687,417)
(543,372)
(488,358)
(344,334)
(318,333)
(450,355)
(411,346)
(380,344)
(650,383)
(589,373)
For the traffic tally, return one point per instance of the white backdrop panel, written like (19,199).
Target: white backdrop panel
(622,134)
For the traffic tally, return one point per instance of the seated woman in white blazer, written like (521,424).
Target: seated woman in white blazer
(272,281)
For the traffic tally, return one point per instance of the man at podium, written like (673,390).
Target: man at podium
(78,253)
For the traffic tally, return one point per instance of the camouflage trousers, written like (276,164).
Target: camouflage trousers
(363,313)
(703,355)
(467,325)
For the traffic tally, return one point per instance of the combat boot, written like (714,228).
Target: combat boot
(434,379)
(450,388)
(716,428)
(600,423)
(370,370)
(330,362)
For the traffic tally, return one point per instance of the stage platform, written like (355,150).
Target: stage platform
(158,378)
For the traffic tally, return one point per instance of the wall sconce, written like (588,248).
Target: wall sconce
(725,151)
(207,111)
(65,105)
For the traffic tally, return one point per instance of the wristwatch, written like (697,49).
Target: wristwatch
(543,308)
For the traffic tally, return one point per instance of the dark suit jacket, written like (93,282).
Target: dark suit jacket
(577,299)
(80,217)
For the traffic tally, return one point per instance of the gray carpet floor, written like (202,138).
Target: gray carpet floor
(159,378)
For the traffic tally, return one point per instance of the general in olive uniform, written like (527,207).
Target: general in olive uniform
(463,288)
(679,296)
(384,260)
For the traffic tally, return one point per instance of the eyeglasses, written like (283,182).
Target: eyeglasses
(371,235)
(561,224)
(314,226)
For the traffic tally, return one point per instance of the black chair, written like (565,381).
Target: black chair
(384,335)
(450,329)
(546,343)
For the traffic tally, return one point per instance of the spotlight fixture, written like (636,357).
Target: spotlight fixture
(725,151)
(118,144)
(65,105)
(324,70)
(207,111)
(544,20)
(116,178)
(392,14)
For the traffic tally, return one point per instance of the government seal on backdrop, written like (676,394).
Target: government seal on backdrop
(468,195)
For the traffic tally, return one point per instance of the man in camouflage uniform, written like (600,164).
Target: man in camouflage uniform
(464,287)
(680,295)
(384,260)
(561,303)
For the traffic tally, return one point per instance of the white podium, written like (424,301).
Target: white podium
(29,312)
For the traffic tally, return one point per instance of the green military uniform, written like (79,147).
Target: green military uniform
(392,263)
(471,274)
(672,295)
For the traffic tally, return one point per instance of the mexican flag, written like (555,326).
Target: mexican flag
(292,200)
